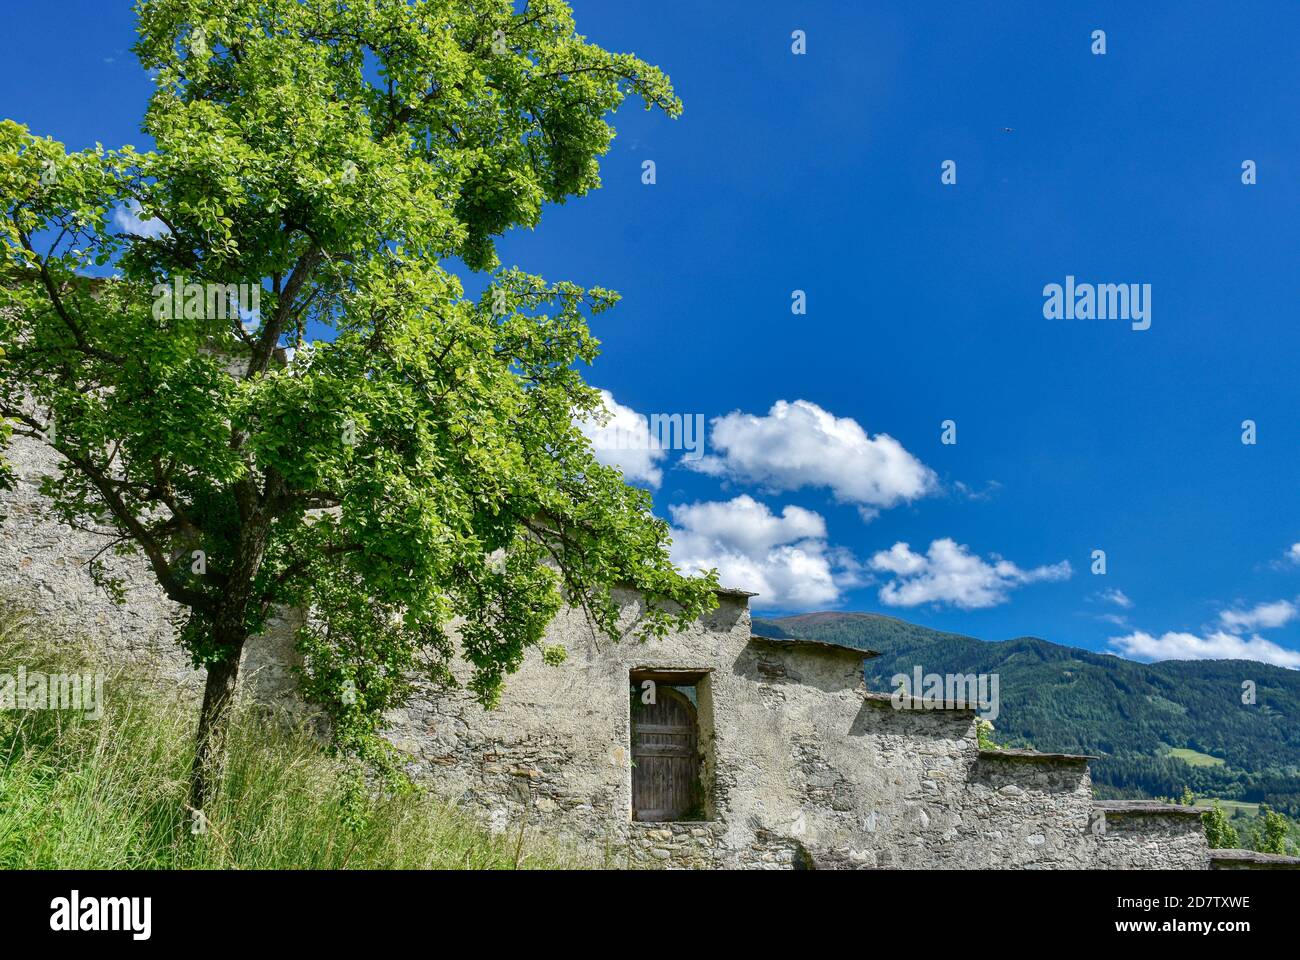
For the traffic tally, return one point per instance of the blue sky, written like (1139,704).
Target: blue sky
(821,172)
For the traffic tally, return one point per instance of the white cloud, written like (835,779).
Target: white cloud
(1293,553)
(785,559)
(949,573)
(128,220)
(800,445)
(1117,597)
(749,526)
(624,441)
(1219,645)
(991,488)
(1263,616)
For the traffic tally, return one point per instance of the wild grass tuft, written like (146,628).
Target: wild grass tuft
(108,793)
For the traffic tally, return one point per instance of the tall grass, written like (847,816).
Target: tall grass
(109,793)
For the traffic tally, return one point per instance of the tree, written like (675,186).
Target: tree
(1268,832)
(1219,833)
(283,395)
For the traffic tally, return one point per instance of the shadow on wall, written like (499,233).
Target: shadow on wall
(877,715)
(995,772)
(821,667)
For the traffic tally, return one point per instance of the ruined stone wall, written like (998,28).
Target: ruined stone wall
(1147,835)
(556,749)
(810,770)
(43,565)
(805,768)
(1030,811)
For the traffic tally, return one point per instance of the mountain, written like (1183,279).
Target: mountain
(1158,727)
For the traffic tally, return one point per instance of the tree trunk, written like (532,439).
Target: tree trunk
(229,633)
(210,742)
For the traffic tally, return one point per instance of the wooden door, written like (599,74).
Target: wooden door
(665,757)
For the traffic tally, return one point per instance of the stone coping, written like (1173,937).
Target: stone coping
(1120,808)
(814,646)
(914,704)
(1035,756)
(1253,860)
(718,591)
(734,592)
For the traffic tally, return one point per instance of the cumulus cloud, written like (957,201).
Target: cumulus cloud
(1293,553)
(624,441)
(799,445)
(785,558)
(749,526)
(949,573)
(1263,616)
(1217,645)
(1226,641)
(128,220)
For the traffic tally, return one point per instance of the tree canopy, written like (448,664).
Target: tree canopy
(363,440)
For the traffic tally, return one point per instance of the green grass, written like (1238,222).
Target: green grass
(1235,809)
(108,793)
(1195,758)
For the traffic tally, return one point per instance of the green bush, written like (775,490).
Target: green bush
(1219,833)
(1268,834)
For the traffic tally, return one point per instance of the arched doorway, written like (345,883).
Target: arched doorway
(665,758)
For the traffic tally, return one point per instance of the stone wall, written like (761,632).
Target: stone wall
(556,749)
(803,766)
(1250,860)
(1147,835)
(43,564)
(809,769)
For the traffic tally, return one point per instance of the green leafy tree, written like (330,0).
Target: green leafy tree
(360,439)
(1269,831)
(1219,833)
